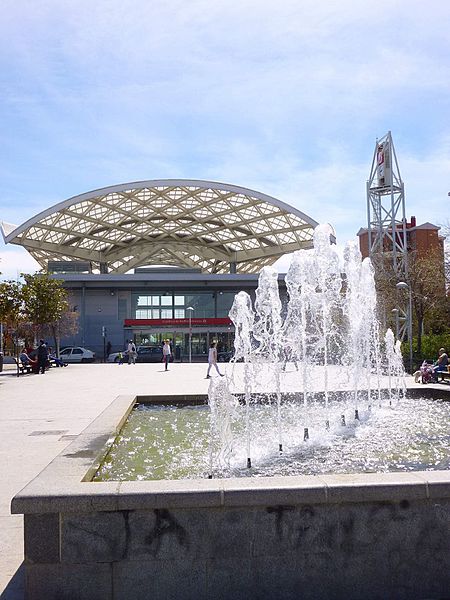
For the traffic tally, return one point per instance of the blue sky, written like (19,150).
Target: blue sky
(284,97)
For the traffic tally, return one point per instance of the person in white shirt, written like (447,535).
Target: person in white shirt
(212,360)
(131,350)
(166,353)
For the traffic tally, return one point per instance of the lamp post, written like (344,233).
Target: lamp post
(395,311)
(401,285)
(191,310)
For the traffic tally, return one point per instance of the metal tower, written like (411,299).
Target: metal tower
(387,232)
(386,209)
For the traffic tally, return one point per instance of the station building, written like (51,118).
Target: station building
(161,259)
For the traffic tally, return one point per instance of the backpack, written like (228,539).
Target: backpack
(133,348)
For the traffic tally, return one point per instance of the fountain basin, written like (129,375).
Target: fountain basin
(327,536)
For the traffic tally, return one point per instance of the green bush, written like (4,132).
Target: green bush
(431,344)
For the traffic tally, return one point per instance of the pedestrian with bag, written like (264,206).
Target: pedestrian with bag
(131,350)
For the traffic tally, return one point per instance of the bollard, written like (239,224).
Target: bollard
(343,420)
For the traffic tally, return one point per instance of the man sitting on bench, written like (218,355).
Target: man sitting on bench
(442,363)
(28,363)
(54,359)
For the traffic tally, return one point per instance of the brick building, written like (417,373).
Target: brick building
(420,238)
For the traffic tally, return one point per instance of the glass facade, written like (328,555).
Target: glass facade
(168,305)
(174,305)
(224,303)
(200,341)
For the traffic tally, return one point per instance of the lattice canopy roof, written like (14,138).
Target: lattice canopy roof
(166,222)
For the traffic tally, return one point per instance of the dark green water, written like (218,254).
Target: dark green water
(173,443)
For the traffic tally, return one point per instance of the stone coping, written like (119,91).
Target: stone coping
(66,485)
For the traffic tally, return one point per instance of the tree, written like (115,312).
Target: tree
(427,284)
(445,231)
(65,326)
(426,280)
(45,302)
(11,307)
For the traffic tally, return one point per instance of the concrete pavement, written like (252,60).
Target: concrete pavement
(41,415)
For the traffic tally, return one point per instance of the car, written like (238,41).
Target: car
(113,357)
(77,354)
(225,356)
(147,354)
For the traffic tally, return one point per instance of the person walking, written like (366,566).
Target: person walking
(166,354)
(212,360)
(42,357)
(131,350)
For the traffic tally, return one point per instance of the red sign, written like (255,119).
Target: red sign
(172,322)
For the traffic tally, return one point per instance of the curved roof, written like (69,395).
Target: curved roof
(185,223)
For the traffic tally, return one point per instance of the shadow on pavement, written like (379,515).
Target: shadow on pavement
(15,588)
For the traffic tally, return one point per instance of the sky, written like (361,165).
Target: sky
(286,97)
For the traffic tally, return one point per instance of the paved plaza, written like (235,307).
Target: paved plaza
(40,416)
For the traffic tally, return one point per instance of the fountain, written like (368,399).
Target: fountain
(313,379)
(330,332)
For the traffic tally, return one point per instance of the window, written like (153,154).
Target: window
(202,303)
(224,303)
(166,313)
(179,301)
(179,313)
(166,300)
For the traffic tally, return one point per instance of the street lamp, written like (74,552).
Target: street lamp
(191,310)
(401,285)
(395,311)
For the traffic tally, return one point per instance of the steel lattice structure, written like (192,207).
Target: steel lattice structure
(387,233)
(216,227)
(386,208)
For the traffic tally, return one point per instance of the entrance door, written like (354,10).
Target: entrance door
(178,346)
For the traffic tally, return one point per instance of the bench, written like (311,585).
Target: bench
(443,375)
(22,368)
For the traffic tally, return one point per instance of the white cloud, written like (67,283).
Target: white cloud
(286,98)
(14,261)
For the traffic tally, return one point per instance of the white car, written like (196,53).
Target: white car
(77,354)
(113,357)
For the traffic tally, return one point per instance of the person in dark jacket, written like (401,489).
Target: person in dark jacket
(42,356)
